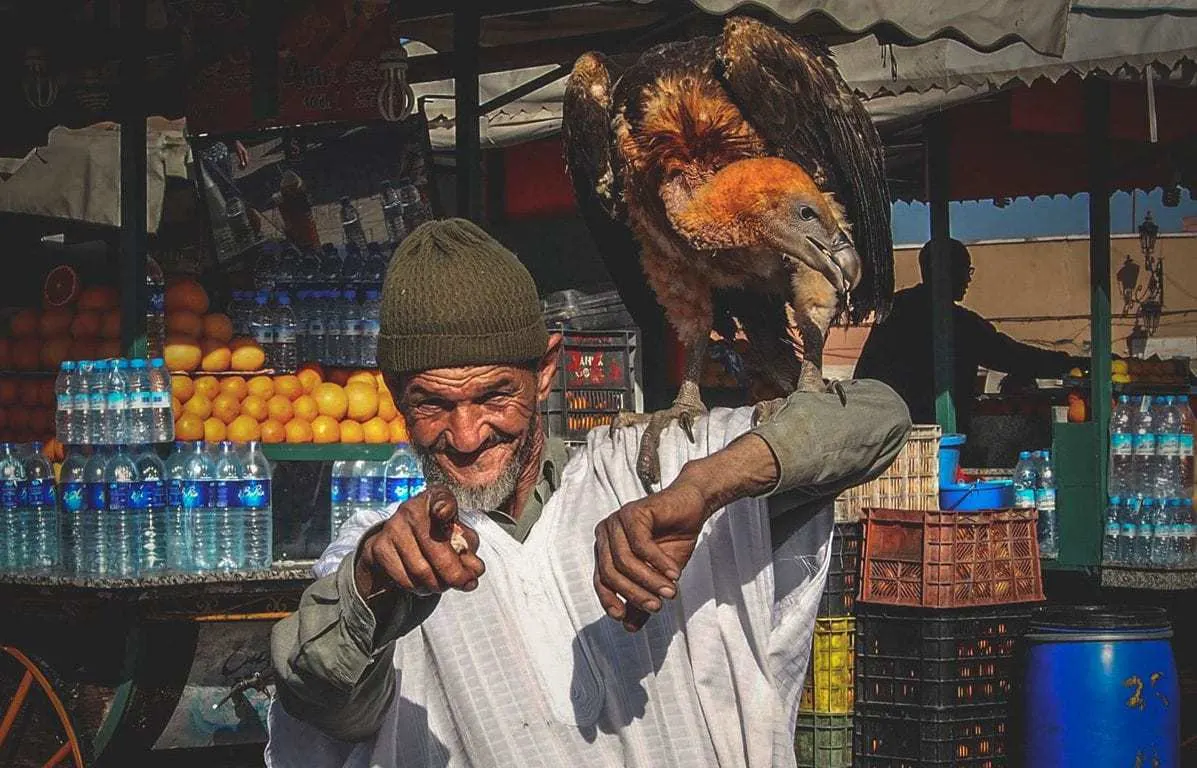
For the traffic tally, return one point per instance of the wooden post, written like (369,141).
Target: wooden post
(942,331)
(1097,127)
(466,29)
(133,237)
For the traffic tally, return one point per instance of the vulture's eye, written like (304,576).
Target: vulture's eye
(806,213)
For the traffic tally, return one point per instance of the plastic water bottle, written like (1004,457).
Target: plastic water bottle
(392,214)
(404,480)
(92,532)
(340,495)
(354,268)
(64,403)
(1109,541)
(155,313)
(1160,553)
(196,536)
(96,390)
(415,210)
(334,328)
(1184,414)
(1025,479)
(286,352)
(1144,460)
(317,319)
(148,500)
(1145,533)
(12,529)
(240,310)
(162,424)
(124,522)
(1168,469)
(1045,502)
(376,264)
(1188,537)
(369,479)
(228,522)
(72,502)
(116,403)
(82,407)
(1122,475)
(41,513)
(371,326)
(352,225)
(139,408)
(255,500)
(262,325)
(351,329)
(1128,520)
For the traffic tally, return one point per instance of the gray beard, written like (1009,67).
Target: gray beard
(480,498)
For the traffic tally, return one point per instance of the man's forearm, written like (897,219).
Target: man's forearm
(746,467)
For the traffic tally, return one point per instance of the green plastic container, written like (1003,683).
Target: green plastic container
(823,741)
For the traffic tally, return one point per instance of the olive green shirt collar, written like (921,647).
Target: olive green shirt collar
(552,462)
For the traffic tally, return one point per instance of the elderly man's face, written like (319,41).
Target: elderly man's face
(474,427)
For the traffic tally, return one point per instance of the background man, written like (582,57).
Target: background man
(523,650)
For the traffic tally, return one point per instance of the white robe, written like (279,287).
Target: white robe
(527,670)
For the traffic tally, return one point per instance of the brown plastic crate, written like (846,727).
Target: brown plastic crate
(950,559)
(911,482)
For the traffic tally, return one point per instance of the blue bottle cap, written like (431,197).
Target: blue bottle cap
(68,365)
(1125,399)
(158,362)
(1149,502)
(1115,499)
(1024,454)
(122,364)
(138,363)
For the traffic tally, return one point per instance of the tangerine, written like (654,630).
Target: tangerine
(189,427)
(85,325)
(99,297)
(386,406)
(27,355)
(288,386)
(299,431)
(217,356)
(208,386)
(54,352)
(376,430)
(185,323)
(176,406)
(261,386)
(186,294)
(83,349)
(244,429)
(273,431)
(255,407)
(399,432)
(54,450)
(351,432)
(331,400)
(182,354)
(110,324)
(218,326)
(182,386)
(235,386)
(280,408)
(365,377)
(199,405)
(309,378)
(305,407)
(107,349)
(325,429)
(55,322)
(226,407)
(248,358)
(363,400)
(24,323)
(30,395)
(46,394)
(214,430)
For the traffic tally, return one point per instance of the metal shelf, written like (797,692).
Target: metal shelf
(328,451)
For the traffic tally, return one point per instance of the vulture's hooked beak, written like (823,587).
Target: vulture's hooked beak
(836,259)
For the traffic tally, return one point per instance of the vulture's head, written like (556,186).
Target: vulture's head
(770,202)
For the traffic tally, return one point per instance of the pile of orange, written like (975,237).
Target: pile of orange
(26,409)
(87,328)
(349,407)
(201,341)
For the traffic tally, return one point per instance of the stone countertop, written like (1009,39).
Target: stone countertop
(287,571)
(1160,580)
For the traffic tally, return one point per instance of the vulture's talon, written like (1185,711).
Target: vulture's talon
(648,463)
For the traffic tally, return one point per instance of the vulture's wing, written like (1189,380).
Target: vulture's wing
(793,95)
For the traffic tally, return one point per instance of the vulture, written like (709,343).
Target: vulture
(743,181)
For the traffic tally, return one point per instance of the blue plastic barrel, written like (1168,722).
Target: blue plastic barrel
(949,458)
(1101,689)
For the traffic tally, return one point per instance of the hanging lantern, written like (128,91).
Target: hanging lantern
(1148,232)
(40,88)
(395,97)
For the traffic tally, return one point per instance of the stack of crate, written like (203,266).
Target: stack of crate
(823,738)
(597,378)
(911,482)
(945,598)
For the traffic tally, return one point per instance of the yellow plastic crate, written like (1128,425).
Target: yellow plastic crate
(829,687)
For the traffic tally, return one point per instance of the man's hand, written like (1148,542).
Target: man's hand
(640,550)
(414,550)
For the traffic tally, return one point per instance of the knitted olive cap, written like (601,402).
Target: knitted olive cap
(453,296)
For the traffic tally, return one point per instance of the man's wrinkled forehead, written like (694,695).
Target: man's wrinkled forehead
(463,382)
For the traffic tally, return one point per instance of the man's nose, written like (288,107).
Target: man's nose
(467,429)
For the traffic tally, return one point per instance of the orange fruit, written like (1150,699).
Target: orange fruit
(325,429)
(110,324)
(99,297)
(363,400)
(243,429)
(182,386)
(298,431)
(24,323)
(85,325)
(399,431)
(54,450)
(208,386)
(376,430)
(351,432)
(187,295)
(280,408)
(54,351)
(60,287)
(176,407)
(288,386)
(108,348)
(185,323)
(27,355)
(338,376)
(255,407)
(83,349)
(182,354)
(226,407)
(30,395)
(218,326)
(235,386)
(46,394)
(5,353)
(189,427)
(331,400)
(261,386)
(305,407)
(365,377)
(309,378)
(217,356)
(248,358)
(18,418)
(199,405)
(386,406)
(214,429)
(273,431)
(55,322)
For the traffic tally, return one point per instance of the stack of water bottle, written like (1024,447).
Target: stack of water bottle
(1149,516)
(28,511)
(334,327)
(127,514)
(372,486)
(1035,488)
(106,402)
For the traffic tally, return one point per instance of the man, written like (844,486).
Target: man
(899,350)
(574,622)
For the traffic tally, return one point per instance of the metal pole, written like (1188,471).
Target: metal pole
(942,331)
(1097,127)
(466,29)
(133,238)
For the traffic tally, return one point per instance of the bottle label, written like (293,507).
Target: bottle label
(74,497)
(397,490)
(139,496)
(371,327)
(141,399)
(157,301)
(1024,498)
(194,494)
(255,494)
(1168,445)
(65,402)
(352,329)
(225,495)
(285,335)
(316,327)
(81,402)
(118,495)
(97,498)
(160,399)
(1186,445)
(337,490)
(96,401)
(1111,528)
(1145,445)
(39,492)
(1127,530)
(364,490)
(10,494)
(154,493)
(115,401)
(1122,444)
(1045,499)
(174,494)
